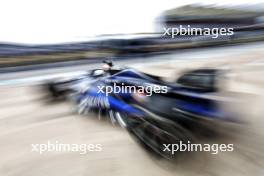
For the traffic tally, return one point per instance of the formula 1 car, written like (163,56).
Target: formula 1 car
(154,111)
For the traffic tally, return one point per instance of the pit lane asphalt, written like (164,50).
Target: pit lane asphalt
(26,118)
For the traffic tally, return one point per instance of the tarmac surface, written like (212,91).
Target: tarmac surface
(27,118)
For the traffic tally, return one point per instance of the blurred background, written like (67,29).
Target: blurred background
(44,40)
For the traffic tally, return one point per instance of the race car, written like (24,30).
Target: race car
(154,111)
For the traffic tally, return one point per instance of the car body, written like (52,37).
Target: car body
(158,118)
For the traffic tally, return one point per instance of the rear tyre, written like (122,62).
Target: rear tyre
(154,133)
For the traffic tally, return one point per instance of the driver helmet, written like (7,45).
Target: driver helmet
(107,65)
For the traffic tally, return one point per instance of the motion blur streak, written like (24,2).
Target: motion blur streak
(215,93)
(26,119)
